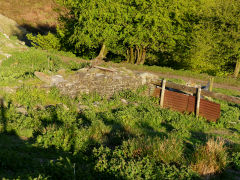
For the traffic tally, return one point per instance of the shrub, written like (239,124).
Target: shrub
(46,42)
(236,160)
(210,158)
(167,150)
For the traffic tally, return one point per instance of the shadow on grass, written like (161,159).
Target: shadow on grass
(150,131)
(22,158)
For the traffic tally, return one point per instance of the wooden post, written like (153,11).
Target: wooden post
(211,84)
(198,100)
(162,93)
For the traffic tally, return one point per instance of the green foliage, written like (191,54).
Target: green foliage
(22,65)
(46,42)
(236,160)
(106,138)
(198,35)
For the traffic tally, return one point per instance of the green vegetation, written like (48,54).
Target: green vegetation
(47,135)
(197,35)
(22,65)
(94,137)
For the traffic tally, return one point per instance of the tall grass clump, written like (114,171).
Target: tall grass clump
(210,158)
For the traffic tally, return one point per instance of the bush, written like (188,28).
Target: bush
(236,160)
(46,42)
(211,158)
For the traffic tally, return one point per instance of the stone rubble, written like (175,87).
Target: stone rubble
(103,82)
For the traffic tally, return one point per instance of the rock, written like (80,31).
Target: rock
(94,70)
(64,106)
(50,106)
(6,36)
(61,71)
(100,75)
(55,80)
(21,110)
(39,108)
(9,89)
(124,101)
(96,103)
(147,77)
(84,70)
(10,27)
(43,77)
(81,107)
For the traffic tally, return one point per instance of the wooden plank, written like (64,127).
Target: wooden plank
(183,88)
(198,101)
(162,92)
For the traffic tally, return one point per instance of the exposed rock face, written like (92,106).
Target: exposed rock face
(104,82)
(10,27)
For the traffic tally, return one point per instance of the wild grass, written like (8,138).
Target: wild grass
(56,137)
(105,138)
(22,65)
(211,158)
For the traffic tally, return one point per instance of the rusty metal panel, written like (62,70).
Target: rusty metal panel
(157,92)
(175,101)
(191,104)
(210,110)
(187,103)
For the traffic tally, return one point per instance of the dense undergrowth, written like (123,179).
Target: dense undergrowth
(93,137)
(46,135)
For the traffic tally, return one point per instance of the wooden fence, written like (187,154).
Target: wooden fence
(187,103)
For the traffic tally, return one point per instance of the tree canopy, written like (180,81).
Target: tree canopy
(202,35)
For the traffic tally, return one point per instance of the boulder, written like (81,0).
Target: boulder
(43,77)
(147,77)
(55,80)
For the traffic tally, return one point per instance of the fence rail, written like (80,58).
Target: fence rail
(187,103)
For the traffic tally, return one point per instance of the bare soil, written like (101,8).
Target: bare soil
(34,15)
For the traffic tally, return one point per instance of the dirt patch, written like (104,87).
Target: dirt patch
(36,15)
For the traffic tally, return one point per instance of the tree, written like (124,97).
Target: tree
(91,24)
(216,38)
(127,27)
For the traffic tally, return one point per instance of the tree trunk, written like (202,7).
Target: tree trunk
(128,56)
(143,56)
(237,69)
(132,59)
(135,56)
(99,59)
(102,53)
(140,53)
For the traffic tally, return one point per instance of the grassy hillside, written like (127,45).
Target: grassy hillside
(47,135)
(51,136)
(36,15)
